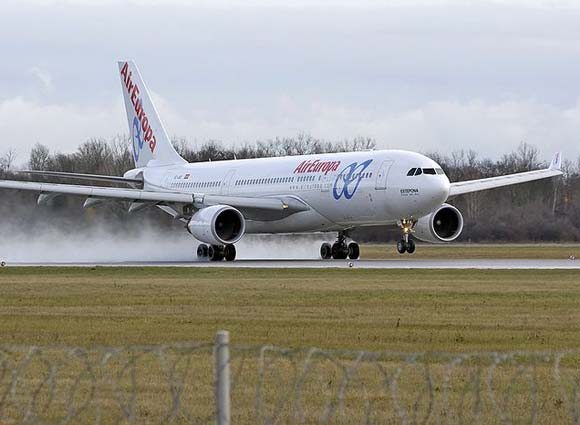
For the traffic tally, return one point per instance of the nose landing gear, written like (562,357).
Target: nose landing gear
(406,244)
(340,250)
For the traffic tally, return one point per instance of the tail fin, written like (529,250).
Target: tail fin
(148,137)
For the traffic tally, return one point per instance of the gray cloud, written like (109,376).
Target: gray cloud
(418,75)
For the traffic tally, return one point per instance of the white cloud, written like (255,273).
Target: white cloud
(421,75)
(288,4)
(23,123)
(491,129)
(43,76)
(445,126)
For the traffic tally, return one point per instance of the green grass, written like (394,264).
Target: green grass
(395,310)
(402,310)
(474,251)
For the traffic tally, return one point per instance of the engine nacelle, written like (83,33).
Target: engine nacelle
(217,225)
(445,224)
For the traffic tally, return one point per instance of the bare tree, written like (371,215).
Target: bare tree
(39,157)
(7,161)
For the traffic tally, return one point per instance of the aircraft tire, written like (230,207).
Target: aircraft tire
(353,251)
(230,252)
(339,251)
(216,252)
(326,251)
(202,251)
(411,246)
(401,247)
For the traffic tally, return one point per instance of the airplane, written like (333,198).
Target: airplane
(219,202)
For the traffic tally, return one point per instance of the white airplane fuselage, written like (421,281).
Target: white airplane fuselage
(342,190)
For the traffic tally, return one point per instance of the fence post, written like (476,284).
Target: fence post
(222,372)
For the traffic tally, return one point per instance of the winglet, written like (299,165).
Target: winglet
(556,163)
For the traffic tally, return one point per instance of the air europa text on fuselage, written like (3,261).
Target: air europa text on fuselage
(317,166)
(133,91)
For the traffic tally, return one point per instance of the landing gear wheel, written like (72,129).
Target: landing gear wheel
(202,251)
(326,251)
(353,251)
(339,251)
(401,247)
(216,252)
(230,252)
(406,244)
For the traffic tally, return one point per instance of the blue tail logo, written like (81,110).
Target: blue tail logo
(137,139)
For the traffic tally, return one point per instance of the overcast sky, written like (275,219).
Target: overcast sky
(419,75)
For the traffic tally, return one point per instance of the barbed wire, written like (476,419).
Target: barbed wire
(175,383)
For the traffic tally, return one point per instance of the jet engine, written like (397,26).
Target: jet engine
(217,225)
(445,224)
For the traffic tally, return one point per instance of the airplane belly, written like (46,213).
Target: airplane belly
(305,221)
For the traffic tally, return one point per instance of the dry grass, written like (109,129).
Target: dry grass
(395,310)
(401,310)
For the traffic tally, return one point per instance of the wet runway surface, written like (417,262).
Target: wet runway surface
(366,264)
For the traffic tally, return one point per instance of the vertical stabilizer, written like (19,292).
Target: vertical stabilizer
(149,140)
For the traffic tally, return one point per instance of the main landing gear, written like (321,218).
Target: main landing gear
(406,244)
(340,250)
(216,252)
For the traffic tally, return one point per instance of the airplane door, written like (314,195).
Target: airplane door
(381,182)
(227,182)
(325,183)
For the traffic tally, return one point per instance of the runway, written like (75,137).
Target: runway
(503,264)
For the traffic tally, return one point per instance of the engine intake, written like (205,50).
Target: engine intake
(217,225)
(445,224)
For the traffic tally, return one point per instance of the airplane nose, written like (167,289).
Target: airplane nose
(440,190)
(445,185)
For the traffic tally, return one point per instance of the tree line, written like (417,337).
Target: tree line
(547,211)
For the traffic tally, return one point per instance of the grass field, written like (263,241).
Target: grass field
(475,251)
(403,310)
(395,310)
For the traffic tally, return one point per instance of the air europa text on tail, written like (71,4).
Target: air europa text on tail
(133,91)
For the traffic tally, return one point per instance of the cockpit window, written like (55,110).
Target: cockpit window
(429,171)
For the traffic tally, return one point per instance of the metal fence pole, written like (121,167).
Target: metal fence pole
(222,372)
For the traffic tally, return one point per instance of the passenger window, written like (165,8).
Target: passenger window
(411,172)
(418,172)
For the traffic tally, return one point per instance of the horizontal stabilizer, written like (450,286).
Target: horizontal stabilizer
(556,163)
(79,176)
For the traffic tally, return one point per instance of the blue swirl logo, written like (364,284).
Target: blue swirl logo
(348,179)
(137,138)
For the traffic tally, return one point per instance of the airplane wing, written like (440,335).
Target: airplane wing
(287,205)
(469,186)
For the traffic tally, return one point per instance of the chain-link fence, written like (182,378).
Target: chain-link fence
(183,383)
